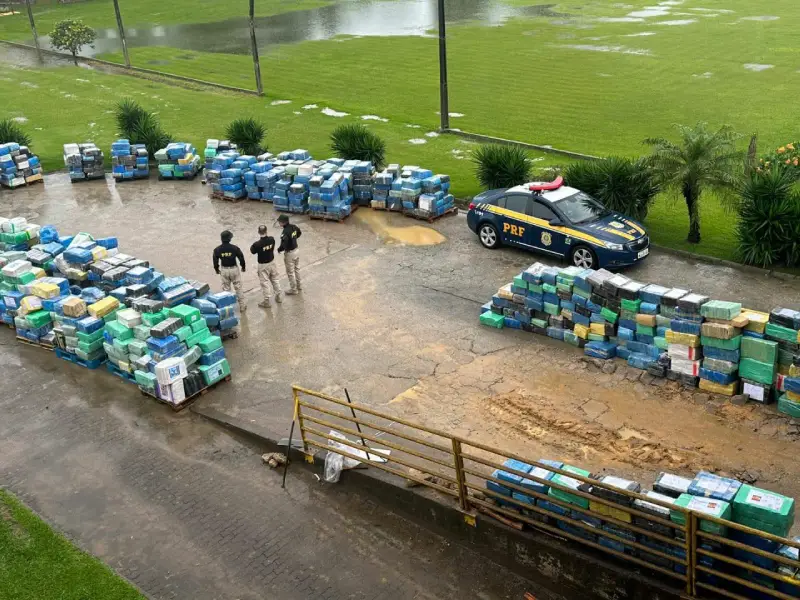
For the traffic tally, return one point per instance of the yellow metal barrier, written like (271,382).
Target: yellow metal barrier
(461,468)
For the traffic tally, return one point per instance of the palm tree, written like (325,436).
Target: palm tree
(702,159)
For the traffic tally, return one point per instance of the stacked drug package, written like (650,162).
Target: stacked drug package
(782,329)
(721,338)
(129,161)
(682,337)
(435,199)
(214,147)
(18,166)
(225,180)
(80,335)
(381,186)
(84,161)
(16,234)
(362,182)
(178,160)
(297,194)
(411,187)
(251,178)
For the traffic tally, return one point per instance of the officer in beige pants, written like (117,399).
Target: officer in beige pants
(264,248)
(225,257)
(291,255)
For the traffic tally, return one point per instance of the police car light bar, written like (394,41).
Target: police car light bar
(544,186)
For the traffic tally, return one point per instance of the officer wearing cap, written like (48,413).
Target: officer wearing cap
(225,257)
(264,248)
(291,255)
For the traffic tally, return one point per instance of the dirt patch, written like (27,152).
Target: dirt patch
(414,235)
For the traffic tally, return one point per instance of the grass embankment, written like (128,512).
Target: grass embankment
(36,563)
(100,13)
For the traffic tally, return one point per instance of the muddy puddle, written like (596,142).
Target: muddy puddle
(412,235)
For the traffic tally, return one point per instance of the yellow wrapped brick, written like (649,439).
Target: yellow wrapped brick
(38,272)
(29,304)
(610,511)
(783,369)
(646,320)
(717,388)
(757,321)
(74,307)
(567,314)
(794,371)
(505,292)
(45,290)
(684,339)
(739,322)
(99,253)
(581,331)
(598,328)
(793,397)
(102,307)
(187,160)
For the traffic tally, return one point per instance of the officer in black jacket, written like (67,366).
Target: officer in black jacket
(291,255)
(225,257)
(264,248)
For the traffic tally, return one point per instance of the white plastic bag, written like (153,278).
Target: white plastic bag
(334,463)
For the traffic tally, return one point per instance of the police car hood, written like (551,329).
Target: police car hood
(614,228)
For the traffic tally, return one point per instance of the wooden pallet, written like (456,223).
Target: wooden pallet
(85,179)
(190,400)
(26,184)
(221,196)
(34,344)
(114,370)
(431,219)
(328,217)
(192,178)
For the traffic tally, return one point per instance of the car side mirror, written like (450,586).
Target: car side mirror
(555,222)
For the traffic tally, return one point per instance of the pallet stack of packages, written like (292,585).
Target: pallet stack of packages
(214,147)
(435,199)
(363,171)
(178,160)
(381,187)
(783,328)
(707,494)
(18,166)
(251,178)
(84,162)
(129,161)
(224,179)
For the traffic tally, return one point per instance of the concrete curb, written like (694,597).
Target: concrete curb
(565,571)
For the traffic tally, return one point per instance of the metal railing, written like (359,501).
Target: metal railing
(683,548)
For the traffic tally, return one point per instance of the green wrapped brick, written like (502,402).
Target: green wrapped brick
(564,287)
(662,321)
(660,343)
(152,319)
(779,332)
(597,337)
(707,506)
(89,347)
(609,315)
(39,318)
(121,346)
(764,510)
(98,354)
(199,325)
(719,309)
(25,278)
(183,332)
(90,337)
(761,372)
(190,314)
(631,305)
(765,351)
(210,343)
(141,332)
(112,316)
(552,309)
(520,282)
(572,339)
(645,330)
(788,407)
(549,288)
(582,293)
(785,357)
(488,318)
(570,483)
(118,331)
(137,347)
(145,379)
(541,323)
(214,373)
(731,344)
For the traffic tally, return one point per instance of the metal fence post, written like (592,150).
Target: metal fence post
(254,48)
(33,29)
(691,548)
(122,34)
(444,101)
(458,463)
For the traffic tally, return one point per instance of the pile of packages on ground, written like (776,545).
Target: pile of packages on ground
(214,147)
(669,332)
(412,190)
(129,161)
(178,160)
(96,305)
(706,494)
(18,166)
(84,161)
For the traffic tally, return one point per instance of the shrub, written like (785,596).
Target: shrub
(769,211)
(140,126)
(356,142)
(72,35)
(10,131)
(501,165)
(787,156)
(248,134)
(621,184)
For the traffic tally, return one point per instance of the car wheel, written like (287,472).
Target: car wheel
(487,233)
(583,257)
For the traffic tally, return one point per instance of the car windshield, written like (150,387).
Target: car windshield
(582,208)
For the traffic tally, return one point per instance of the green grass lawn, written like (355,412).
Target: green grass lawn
(37,563)
(100,13)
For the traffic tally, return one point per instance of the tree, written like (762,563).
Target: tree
(702,160)
(72,35)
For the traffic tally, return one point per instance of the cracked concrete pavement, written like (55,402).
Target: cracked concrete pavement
(395,322)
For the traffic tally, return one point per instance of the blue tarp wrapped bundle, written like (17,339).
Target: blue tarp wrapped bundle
(129,161)
(179,160)
(18,165)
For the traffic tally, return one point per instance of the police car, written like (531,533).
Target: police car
(558,220)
